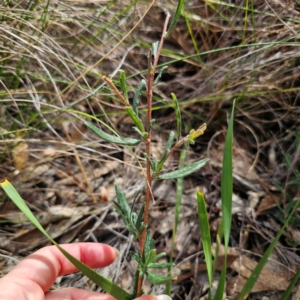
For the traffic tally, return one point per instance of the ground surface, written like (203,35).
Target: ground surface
(217,53)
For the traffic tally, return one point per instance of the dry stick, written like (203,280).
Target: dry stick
(89,189)
(150,77)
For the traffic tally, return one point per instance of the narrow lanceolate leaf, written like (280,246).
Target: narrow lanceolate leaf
(149,245)
(112,138)
(291,286)
(226,181)
(141,134)
(160,265)
(101,281)
(129,217)
(187,170)
(166,151)
(205,234)
(178,116)
(122,77)
(136,120)
(157,279)
(151,162)
(226,196)
(136,96)
(176,16)
(161,71)
(139,222)
(155,47)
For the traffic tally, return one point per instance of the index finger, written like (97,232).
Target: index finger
(45,265)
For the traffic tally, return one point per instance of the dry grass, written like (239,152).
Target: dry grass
(52,61)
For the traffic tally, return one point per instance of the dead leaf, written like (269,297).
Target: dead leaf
(268,202)
(202,267)
(20,156)
(236,284)
(271,278)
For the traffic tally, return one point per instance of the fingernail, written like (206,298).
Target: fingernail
(117,252)
(163,297)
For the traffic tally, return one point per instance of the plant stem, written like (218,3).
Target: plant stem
(118,93)
(150,78)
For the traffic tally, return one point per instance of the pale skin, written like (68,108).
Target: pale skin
(32,278)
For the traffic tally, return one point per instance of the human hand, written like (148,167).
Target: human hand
(32,278)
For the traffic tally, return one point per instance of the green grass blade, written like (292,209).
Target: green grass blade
(179,190)
(176,16)
(291,286)
(205,235)
(254,275)
(178,116)
(187,170)
(221,285)
(20,203)
(226,196)
(101,281)
(227,182)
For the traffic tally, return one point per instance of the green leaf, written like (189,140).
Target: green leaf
(151,124)
(155,46)
(184,171)
(166,151)
(122,200)
(133,217)
(151,162)
(178,116)
(227,182)
(291,286)
(221,284)
(101,281)
(226,196)
(176,16)
(122,77)
(112,138)
(161,71)
(157,279)
(137,95)
(137,258)
(159,265)
(158,256)
(139,222)
(142,134)
(149,245)
(129,217)
(136,120)
(205,235)
(150,257)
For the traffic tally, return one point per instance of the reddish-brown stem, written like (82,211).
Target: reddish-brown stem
(115,89)
(150,78)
